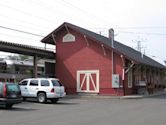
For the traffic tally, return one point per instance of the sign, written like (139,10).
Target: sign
(69,38)
(115,81)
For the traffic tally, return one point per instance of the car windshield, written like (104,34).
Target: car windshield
(13,87)
(56,83)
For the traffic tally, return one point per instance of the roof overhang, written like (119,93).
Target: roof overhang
(49,38)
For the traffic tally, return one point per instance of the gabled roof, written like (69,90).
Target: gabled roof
(120,48)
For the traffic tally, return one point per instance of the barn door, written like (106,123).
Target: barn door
(88,81)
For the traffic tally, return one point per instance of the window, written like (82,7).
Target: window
(33,83)
(24,83)
(45,83)
(12,88)
(56,83)
(1,88)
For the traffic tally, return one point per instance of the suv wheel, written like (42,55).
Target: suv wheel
(8,106)
(41,97)
(24,98)
(54,100)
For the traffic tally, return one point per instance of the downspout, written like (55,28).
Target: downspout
(111,37)
(123,74)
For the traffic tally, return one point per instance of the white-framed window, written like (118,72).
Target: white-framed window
(69,38)
(130,78)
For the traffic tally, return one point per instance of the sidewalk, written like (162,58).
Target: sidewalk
(143,96)
(88,96)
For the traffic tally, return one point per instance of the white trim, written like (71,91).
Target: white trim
(87,78)
(87,82)
(92,81)
(82,83)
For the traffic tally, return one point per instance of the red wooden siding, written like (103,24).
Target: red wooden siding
(74,56)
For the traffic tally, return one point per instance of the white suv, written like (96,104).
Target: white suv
(42,89)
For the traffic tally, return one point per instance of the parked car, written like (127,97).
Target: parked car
(42,89)
(10,94)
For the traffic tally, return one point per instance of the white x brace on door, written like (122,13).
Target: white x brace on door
(88,81)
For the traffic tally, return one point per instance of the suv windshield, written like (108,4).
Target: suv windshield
(13,87)
(56,83)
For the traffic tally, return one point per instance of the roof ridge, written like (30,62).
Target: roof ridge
(121,44)
(119,47)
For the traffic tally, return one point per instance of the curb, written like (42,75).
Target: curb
(112,97)
(91,97)
(132,97)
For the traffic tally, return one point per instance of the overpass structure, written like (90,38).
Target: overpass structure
(27,50)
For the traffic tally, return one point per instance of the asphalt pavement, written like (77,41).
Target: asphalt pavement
(88,111)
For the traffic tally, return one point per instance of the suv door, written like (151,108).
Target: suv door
(33,88)
(23,86)
(45,85)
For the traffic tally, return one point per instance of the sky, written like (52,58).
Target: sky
(132,21)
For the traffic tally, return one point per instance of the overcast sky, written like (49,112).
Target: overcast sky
(132,20)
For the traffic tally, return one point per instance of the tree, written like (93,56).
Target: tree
(19,57)
(165,62)
(25,57)
(12,57)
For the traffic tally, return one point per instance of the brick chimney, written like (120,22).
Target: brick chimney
(111,36)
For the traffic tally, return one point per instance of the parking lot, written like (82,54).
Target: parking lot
(88,111)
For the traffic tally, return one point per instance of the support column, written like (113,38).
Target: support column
(35,66)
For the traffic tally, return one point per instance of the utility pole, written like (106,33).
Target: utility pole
(139,46)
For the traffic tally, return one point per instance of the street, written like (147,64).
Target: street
(86,111)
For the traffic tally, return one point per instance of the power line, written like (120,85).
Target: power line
(25,32)
(51,8)
(126,28)
(67,4)
(38,17)
(26,13)
(21,25)
(146,27)
(22,21)
(144,33)
(128,32)
(48,7)
(84,11)
(4,34)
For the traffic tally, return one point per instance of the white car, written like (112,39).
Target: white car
(42,89)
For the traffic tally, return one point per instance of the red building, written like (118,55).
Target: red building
(87,62)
